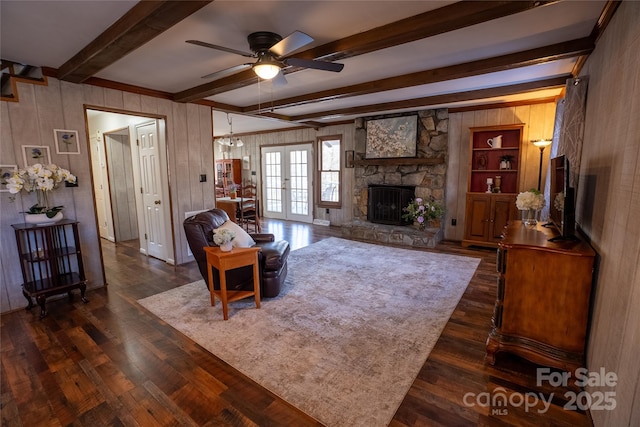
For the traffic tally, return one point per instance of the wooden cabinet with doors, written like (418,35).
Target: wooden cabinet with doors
(494,157)
(486,216)
(228,171)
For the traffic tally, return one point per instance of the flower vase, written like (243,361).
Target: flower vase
(226,247)
(530,216)
(42,219)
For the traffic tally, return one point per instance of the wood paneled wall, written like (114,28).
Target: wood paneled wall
(608,208)
(60,105)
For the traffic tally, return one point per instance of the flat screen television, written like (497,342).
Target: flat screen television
(562,204)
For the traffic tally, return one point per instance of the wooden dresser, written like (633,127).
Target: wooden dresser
(543,301)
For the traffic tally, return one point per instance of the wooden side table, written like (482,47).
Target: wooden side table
(223,261)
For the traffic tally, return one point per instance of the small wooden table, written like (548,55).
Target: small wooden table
(223,261)
(230,206)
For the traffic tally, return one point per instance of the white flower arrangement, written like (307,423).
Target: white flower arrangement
(532,199)
(40,179)
(220,237)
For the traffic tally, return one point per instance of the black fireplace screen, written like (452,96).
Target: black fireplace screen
(386,203)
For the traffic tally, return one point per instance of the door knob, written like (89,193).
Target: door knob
(157,202)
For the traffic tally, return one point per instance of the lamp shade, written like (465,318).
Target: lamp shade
(266,71)
(266,68)
(541,143)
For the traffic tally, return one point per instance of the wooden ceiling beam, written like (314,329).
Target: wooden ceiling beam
(439,99)
(474,68)
(448,18)
(144,21)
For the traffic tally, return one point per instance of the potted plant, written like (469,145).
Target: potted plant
(424,213)
(224,238)
(530,202)
(233,190)
(42,180)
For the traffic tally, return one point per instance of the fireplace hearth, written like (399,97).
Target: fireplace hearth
(386,203)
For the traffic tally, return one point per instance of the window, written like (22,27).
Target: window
(329,174)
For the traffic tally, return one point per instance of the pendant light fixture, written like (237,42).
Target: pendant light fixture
(229,140)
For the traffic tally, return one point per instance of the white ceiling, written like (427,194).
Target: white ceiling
(49,33)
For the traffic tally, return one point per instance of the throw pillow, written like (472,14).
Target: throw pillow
(242,239)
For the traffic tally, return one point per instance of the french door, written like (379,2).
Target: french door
(287,186)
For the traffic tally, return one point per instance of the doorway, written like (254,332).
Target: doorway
(128,157)
(287,185)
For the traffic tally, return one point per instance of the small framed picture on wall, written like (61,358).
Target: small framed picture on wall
(5,173)
(66,141)
(32,154)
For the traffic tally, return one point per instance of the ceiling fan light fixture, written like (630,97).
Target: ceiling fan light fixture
(266,68)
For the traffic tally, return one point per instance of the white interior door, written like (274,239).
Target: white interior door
(101,188)
(152,194)
(287,185)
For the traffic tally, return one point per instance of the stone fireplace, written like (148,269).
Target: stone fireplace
(425,174)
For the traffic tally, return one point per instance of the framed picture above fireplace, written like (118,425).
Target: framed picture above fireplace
(392,137)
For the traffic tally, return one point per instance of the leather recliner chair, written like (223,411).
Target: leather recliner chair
(272,256)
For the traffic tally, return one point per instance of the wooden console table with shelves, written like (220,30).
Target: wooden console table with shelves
(543,300)
(51,261)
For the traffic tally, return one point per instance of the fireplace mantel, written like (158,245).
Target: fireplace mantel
(430,161)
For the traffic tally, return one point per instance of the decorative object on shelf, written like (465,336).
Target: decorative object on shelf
(224,239)
(424,213)
(541,144)
(482,161)
(530,202)
(489,184)
(505,162)
(41,180)
(498,183)
(495,142)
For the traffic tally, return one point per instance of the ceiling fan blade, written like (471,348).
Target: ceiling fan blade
(222,48)
(316,65)
(279,80)
(292,42)
(229,70)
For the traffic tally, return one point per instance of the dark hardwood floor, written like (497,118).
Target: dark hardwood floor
(111,363)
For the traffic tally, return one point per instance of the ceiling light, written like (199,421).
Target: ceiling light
(266,67)
(229,140)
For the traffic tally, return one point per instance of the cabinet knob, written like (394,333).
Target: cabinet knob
(157,202)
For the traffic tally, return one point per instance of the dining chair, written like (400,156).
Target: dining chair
(249,207)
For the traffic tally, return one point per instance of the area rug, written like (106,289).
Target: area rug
(347,335)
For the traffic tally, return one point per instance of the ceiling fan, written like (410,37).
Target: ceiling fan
(270,50)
